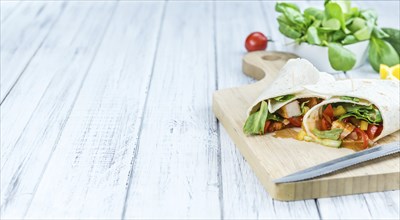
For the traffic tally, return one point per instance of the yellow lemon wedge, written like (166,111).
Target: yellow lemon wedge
(387,72)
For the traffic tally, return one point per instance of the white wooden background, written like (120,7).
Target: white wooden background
(106,112)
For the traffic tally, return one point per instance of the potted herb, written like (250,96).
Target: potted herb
(337,38)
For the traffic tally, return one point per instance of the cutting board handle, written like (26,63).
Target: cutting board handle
(260,64)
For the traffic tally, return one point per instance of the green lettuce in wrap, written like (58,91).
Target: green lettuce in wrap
(359,113)
(284,102)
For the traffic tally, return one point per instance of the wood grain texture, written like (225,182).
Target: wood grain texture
(76,132)
(98,142)
(243,195)
(49,60)
(24,159)
(21,36)
(175,174)
(273,158)
(17,111)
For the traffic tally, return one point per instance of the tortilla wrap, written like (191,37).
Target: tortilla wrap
(384,94)
(292,78)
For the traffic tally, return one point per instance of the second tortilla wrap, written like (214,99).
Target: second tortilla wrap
(384,94)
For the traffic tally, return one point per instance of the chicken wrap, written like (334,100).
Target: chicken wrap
(359,113)
(284,102)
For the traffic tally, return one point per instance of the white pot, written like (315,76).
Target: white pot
(318,55)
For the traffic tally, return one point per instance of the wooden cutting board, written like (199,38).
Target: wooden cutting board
(276,155)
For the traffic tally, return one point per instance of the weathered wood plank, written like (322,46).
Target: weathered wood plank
(7,8)
(175,174)
(57,71)
(243,195)
(383,205)
(88,173)
(21,36)
(17,111)
(370,205)
(344,207)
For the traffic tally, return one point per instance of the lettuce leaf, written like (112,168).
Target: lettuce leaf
(255,122)
(284,98)
(367,113)
(302,107)
(274,117)
(354,99)
(333,134)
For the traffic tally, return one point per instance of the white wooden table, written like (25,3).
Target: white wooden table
(106,112)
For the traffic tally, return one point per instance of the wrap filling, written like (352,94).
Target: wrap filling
(289,115)
(345,124)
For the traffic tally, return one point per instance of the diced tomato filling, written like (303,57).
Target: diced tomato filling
(325,125)
(296,121)
(374,131)
(362,136)
(352,134)
(267,123)
(328,112)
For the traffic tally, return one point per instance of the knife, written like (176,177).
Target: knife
(342,162)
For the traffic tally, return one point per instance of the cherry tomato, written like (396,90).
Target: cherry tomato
(267,123)
(256,41)
(362,136)
(296,121)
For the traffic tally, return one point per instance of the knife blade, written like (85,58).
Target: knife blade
(342,162)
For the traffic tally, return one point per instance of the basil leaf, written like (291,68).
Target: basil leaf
(280,6)
(332,134)
(255,122)
(350,98)
(288,31)
(294,16)
(314,14)
(284,98)
(349,39)
(333,10)
(357,24)
(379,33)
(394,38)
(338,36)
(364,33)
(355,12)
(369,15)
(340,58)
(282,19)
(312,36)
(331,24)
(345,6)
(381,52)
